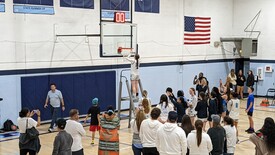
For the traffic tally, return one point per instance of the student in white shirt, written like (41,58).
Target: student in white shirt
(170,133)
(234,110)
(231,137)
(192,103)
(198,142)
(148,131)
(165,107)
(76,130)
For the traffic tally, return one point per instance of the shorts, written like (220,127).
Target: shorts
(134,77)
(94,128)
(202,119)
(250,113)
(236,120)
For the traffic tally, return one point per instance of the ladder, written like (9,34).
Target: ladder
(129,98)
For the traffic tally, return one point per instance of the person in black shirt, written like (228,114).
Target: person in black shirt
(250,79)
(240,83)
(217,135)
(94,111)
(180,106)
(201,109)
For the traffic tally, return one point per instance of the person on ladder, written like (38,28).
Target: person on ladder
(135,63)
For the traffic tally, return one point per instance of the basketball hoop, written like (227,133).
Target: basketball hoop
(124,51)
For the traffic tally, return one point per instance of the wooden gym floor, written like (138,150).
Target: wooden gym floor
(10,147)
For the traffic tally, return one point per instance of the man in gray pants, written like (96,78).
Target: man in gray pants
(56,99)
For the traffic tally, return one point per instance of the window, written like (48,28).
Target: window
(150,6)
(86,4)
(2,1)
(122,5)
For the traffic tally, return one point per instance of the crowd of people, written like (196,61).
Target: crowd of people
(176,126)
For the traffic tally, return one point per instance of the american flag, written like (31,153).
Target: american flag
(197,30)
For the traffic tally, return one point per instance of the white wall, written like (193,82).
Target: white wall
(27,40)
(244,12)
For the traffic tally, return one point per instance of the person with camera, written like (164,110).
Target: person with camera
(25,121)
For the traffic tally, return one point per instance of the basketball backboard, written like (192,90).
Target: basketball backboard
(116,37)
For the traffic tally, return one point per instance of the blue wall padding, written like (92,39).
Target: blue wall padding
(78,90)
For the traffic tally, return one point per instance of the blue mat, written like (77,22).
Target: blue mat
(8,135)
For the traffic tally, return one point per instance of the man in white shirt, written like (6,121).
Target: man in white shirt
(76,130)
(56,100)
(147,133)
(171,139)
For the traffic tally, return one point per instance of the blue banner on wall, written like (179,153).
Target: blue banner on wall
(33,9)
(78,90)
(2,7)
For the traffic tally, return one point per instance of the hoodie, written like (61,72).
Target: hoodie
(171,140)
(147,132)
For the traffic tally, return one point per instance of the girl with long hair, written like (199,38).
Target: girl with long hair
(192,103)
(135,63)
(164,107)
(201,109)
(250,79)
(198,141)
(240,83)
(135,124)
(264,139)
(146,107)
(231,135)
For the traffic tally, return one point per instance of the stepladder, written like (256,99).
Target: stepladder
(123,80)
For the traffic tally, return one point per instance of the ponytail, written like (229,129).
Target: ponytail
(199,125)
(137,58)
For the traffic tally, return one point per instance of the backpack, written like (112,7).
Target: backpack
(8,125)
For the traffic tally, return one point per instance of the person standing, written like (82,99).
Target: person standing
(192,103)
(201,109)
(56,100)
(187,126)
(240,83)
(25,122)
(234,111)
(169,133)
(147,133)
(250,79)
(165,108)
(233,79)
(109,138)
(135,63)
(249,109)
(231,136)
(198,142)
(217,135)
(76,130)
(63,141)
(135,125)
(94,112)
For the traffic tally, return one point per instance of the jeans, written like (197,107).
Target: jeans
(137,151)
(54,112)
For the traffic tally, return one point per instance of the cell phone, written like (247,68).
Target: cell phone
(35,111)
